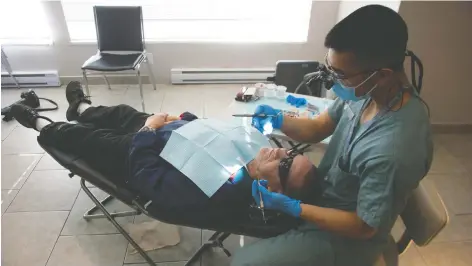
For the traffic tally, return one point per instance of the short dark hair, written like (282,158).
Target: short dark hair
(310,189)
(375,34)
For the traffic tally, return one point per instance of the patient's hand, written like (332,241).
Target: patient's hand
(156,121)
(171,118)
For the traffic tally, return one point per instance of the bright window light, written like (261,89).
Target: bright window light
(23,22)
(202,20)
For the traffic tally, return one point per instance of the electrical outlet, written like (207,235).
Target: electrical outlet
(150,58)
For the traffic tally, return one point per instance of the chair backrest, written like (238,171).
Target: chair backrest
(290,73)
(425,214)
(119,28)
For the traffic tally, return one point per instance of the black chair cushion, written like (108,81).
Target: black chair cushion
(245,226)
(113,62)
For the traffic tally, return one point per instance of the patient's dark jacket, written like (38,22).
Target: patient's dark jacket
(172,193)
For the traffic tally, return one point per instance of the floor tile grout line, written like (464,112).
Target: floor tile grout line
(65,221)
(14,197)
(421,256)
(34,170)
(19,189)
(127,244)
(10,132)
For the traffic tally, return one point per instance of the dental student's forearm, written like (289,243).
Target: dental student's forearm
(308,130)
(337,221)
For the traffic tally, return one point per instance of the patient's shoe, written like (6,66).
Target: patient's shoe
(75,95)
(26,115)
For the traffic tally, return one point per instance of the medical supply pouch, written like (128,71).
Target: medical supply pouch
(209,151)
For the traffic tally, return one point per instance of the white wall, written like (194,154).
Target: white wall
(440,34)
(347,7)
(68,58)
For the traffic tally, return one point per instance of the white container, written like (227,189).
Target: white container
(269,91)
(280,92)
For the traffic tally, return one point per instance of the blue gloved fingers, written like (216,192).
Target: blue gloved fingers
(259,122)
(256,122)
(255,191)
(264,109)
(256,188)
(263,182)
(275,201)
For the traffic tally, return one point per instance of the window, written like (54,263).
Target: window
(203,20)
(24,22)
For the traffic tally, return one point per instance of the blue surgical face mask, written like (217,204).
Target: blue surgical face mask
(349,93)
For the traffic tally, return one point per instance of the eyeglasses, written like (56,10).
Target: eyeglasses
(342,78)
(286,163)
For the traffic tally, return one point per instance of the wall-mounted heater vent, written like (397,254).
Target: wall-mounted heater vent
(31,79)
(220,75)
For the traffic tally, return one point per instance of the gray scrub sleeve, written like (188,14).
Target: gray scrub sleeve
(335,110)
(375,202)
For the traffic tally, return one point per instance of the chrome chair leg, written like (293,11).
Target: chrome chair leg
(141,89)
(90,213)
(107,82)
(216,240)
(151,74)
(85,81)
(115,223)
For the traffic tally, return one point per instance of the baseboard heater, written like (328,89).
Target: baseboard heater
(31,79)
(220,75)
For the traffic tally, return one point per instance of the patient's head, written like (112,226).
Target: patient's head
(296,177)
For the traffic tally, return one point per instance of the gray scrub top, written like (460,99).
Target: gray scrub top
(386,162)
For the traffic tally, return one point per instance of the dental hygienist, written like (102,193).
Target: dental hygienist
(381,148)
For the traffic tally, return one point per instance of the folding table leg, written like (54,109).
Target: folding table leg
(117,226)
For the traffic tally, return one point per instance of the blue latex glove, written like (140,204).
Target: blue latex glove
(259,122)
(296,101)
(275,201)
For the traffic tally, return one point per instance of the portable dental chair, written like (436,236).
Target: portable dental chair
(424,216)
(253,225)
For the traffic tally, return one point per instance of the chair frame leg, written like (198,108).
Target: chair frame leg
(151,74)
(85,81)
(107,82)
(89,214)
(113,221)
(140,88)
(216,240)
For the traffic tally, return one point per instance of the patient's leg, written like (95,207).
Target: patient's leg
(121,117)
(104,149)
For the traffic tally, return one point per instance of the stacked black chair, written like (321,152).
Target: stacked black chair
(120,38)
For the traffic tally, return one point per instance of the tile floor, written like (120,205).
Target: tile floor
(42,207)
